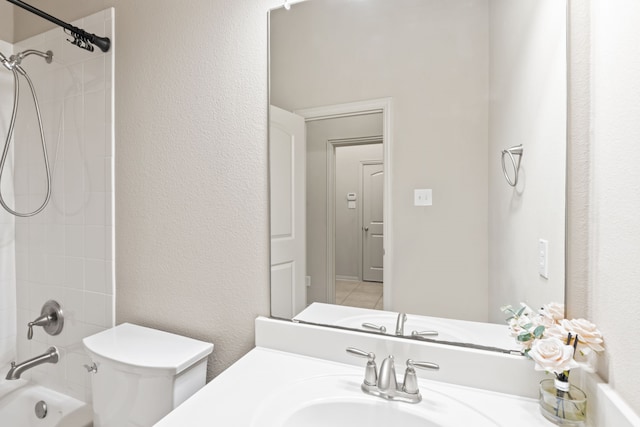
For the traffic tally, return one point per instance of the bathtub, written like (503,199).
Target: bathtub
(18,400)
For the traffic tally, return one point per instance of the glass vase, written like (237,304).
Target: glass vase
(563,403)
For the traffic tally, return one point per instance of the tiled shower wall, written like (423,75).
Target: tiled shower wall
(7,227)
(66,252)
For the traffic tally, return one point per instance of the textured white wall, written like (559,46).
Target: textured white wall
(615,258)
(528,106)
(191,172)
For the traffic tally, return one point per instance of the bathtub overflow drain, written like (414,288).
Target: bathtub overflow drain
(41,409)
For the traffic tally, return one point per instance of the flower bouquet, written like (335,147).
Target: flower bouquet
(557,345)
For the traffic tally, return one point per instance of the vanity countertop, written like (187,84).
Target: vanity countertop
(245,393)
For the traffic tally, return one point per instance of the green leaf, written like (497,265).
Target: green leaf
(527,326)
(522,309)
(507,309)
(539,331)
(525,337)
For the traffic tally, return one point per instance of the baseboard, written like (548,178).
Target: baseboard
(348,278)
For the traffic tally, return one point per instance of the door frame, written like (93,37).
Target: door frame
(380,105)
(331,147)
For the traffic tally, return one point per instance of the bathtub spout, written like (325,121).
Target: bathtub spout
(51,356)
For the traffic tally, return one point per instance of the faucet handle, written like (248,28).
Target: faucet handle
(378,328)
(43,320)
(371,371)
(423,334)
(51,319)
(410,383)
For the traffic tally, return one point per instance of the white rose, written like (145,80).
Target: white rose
(542,320)
(552,355)
(556,331)
(553,311)
(589,337)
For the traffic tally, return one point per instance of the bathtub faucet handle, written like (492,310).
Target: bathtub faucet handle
(43,320)
(51,319)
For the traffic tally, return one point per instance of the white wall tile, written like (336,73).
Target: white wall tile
(94,242)
(75,272)
(95,174)
(74,241)
(96,276)
(74,204)
(56,269)
(68,81)
(96,210)
(96,308)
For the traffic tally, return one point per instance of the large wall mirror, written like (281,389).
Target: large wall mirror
(417,155)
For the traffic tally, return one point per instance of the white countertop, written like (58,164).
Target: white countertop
(240,394)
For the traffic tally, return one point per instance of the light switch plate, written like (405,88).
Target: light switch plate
(422,197)
(543,258)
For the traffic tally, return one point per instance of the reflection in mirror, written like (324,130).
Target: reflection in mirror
(398,113)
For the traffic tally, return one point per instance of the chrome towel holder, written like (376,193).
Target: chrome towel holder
(511,152)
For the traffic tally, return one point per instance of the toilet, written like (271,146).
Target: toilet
(141,374)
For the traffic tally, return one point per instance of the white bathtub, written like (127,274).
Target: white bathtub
(18,399)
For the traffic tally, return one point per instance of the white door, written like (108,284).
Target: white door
(287,160)
(372,220)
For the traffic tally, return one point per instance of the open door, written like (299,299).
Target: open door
(287,162)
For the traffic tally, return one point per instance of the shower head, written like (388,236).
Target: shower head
(18,57)
(13,63)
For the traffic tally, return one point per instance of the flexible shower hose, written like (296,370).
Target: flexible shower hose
(7,144)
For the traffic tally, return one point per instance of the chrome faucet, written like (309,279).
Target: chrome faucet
(402,317)
(385,384)
(51,356)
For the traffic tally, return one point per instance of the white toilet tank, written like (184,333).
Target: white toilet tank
(143,374)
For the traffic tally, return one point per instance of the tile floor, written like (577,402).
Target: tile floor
(359,294)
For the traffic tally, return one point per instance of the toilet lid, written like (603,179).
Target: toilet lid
(147,348)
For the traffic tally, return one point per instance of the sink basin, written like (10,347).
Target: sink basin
(337,401)
(446,331)
(347,413)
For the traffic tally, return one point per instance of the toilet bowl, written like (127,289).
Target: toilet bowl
(141,374)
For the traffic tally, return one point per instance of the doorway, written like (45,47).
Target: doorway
(358,195)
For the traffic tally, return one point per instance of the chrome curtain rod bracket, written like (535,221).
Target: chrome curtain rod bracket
(511,152)
(81,38)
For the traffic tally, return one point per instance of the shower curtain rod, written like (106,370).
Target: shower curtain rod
(81,38)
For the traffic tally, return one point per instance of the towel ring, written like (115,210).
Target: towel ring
(513,151)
